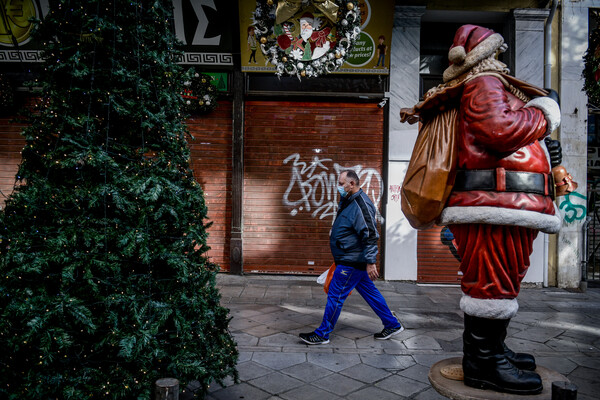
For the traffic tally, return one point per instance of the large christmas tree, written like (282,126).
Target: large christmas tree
(104,286)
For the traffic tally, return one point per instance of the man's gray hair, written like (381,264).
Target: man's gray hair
(350,174)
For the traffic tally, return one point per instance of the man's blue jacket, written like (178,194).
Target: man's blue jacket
(354,235)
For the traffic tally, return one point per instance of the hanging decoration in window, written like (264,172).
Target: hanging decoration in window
(306,38)
(199,94)
(591,71)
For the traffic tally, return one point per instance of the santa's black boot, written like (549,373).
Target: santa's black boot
(484,363)
(523,361)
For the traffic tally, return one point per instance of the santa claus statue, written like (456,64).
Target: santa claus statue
(501,195)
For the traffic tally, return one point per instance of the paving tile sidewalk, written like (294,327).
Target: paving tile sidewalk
(561,328)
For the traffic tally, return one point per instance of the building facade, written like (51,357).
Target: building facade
(269,155)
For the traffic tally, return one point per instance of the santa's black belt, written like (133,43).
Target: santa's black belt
(501,180)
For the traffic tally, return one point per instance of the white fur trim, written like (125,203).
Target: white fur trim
(482,51)
(489,308)
(550,109)
(501,216)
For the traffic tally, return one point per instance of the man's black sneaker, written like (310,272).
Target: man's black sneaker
(313,338)
(388,333)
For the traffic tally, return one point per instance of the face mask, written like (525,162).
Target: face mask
(343,193)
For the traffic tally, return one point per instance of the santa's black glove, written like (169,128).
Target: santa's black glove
(555,151)
(553,95)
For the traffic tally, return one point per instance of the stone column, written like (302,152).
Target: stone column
(528,44)
(401,239)
(573,138)
(404,65)
(526,59)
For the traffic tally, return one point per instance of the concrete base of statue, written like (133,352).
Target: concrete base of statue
(446,377)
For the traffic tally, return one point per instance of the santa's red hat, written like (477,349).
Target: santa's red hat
(471,45)
(307,15)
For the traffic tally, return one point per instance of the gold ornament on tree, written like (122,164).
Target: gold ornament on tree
(350,6)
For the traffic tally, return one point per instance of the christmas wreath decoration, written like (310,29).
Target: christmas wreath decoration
(591,71)
(306,37)
(199,95)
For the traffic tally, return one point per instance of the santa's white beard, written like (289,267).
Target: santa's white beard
(320,51)
(305,34)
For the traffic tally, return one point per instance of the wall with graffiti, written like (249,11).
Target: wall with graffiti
(401,238)
(313,186)
(573,207)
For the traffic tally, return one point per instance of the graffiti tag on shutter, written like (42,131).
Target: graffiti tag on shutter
(313,186)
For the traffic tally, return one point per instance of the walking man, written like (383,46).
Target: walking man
(353,242)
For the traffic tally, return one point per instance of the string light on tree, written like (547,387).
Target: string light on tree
(7,96)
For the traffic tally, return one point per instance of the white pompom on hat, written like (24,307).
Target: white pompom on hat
(471,45)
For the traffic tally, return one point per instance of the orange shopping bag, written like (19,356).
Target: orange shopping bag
(330,272)
(325,278)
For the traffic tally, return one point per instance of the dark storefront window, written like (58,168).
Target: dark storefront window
(436,39)
(592,272)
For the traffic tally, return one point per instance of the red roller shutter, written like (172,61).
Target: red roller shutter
(211,162)
(11,144)
(293,153)
(436,263)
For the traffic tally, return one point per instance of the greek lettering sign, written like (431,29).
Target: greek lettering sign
(205,29)
(15,30)
(203,26)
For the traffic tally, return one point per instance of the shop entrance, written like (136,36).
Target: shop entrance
(293,154)
(437,259)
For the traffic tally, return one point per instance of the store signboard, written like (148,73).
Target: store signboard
(16,44)
(203,26)
(219,80)
(206,30)
(593,159)
(371,52)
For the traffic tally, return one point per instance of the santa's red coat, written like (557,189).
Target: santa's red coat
(497,132)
